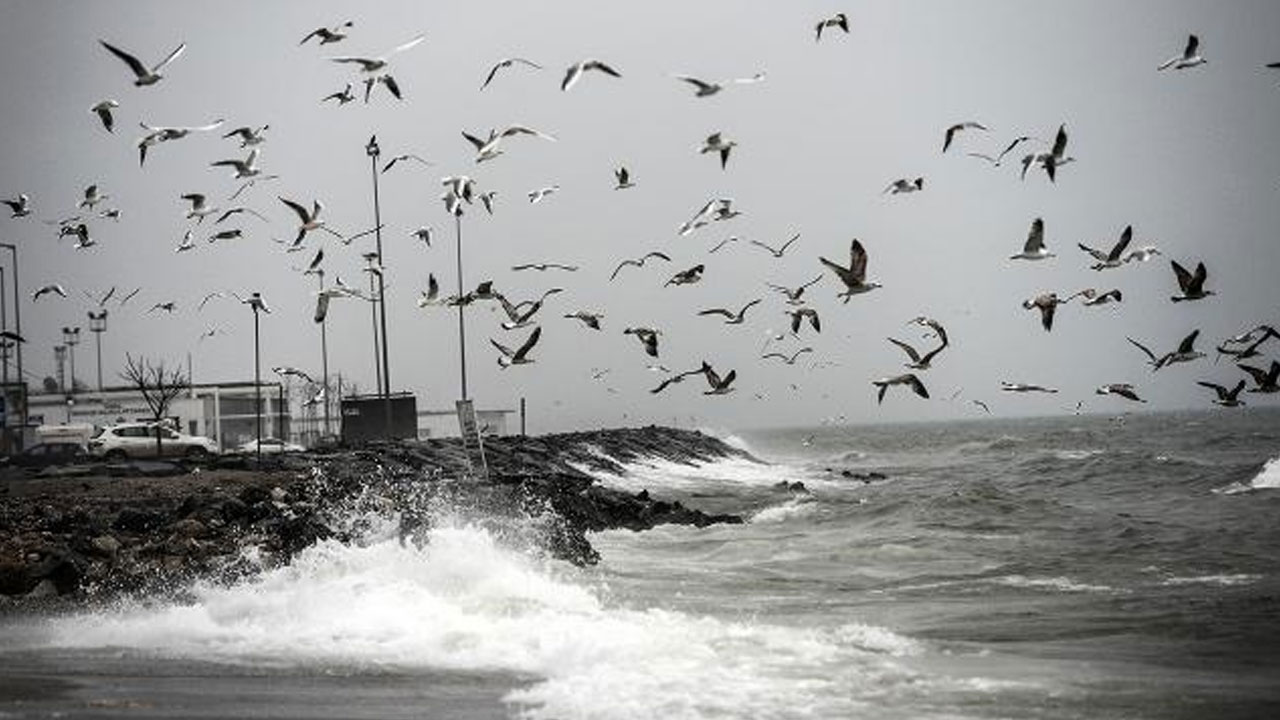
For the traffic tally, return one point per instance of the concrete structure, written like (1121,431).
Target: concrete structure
(444,423)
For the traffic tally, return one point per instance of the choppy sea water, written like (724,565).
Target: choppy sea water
(1078,567)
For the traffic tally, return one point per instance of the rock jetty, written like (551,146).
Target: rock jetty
(95,531)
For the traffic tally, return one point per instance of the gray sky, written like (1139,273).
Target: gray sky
(1190,159)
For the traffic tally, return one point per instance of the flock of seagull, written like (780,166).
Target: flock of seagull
(460,192)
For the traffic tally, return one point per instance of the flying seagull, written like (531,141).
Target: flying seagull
(918,361)
(1047,303)
(1192,285)
(506,63)
(903,185)
(1093,297)
(777,252)
(200,208)
(908,379)
(373,65)
(719,386)
(343,96)
(638,262)
(511,357)
(1034,248)
(1266,380)
(951,132)
(244,168)
(544,266)
(157,135)
(675,378)
(403,158)
(854,277)
(793,295)
(590,319)
(722,243)
(310,219)
(703,88)
(839,20)
(1189,58)
(576,70)
(92,196)
(288,370)
(1025,387)
(334,34)
(43,290)
(787,359)
(1051,160)
(144,76)
(717,143)
(623,177)
(1226,398)
(1114,258)
(799,314)
(732,318)
(103,111)
(648,337)
(687,277)
(249,135)
(19,206)
(536,196)
(1124,390)
(1186,352)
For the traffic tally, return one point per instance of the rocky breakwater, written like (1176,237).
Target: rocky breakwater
(96,531)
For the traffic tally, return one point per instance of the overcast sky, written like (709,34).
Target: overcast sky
(1190,158)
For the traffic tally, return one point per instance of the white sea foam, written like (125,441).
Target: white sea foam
(1221,580)
(1062,584)
(464,602)
(796,507)
(729,474)
(1268,478)
(1076,454)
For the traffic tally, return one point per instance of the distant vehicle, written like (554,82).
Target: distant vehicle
(70,433)
(138,440)
(270,445)
(48,453)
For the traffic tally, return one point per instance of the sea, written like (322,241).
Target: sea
(1083,567)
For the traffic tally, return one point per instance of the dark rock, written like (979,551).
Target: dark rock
(138,521)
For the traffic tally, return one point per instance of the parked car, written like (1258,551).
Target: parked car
(270,445)
(138,440)
(48,453)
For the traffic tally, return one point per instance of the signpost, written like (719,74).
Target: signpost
(472,441)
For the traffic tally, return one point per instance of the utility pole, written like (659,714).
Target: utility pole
(97,326)
(71,337)
(17,319)
(373,151)
(324,357)
(462,326)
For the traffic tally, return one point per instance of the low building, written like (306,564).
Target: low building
(444,423)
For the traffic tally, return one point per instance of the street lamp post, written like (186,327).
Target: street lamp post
(373,151)
(462,328)
(71,337)
(324,356)
(4,325)
(255,301)
(97,326)
(371,260)
(60,358)
(17,319)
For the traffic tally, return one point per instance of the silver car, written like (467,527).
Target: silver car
(138,440)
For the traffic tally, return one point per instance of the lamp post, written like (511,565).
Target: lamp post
(324,355)
(97,326)
(4,325)
(373,151)
(17,319)
(255,301)
(60,357)
(71,338)
(458,189)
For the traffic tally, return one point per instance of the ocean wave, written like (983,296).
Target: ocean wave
(1268,478)
(727,475)
(1220,580)
(794,508)
(464,602)
(1061,584)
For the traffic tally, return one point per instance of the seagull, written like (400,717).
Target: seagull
(92,196)
(383,79)
(951,132)
(205,300)
(424,234)
(487,198)
(623,177)
(719,386)
(687,277)
(722,243)
(903,185)
(521,317)
(1189,58)
(1192,285)
(715,209)
(100,301)
(1186,352)
(168,307)
(103,111)
(798,315)
(676,378)
(520,356)
(405,157)
(590,319)
(732,318)
(310,219)
(777,253)
(1025,388)
(143,76)
(982,405)
(236,211)
(794,295)
(1266,380)
(638,262)
(1250,350)
(1051,160)
(1226,398)
(334,34)
(506,63)
(919,362)
(373,65)
(19,206)
(459,186)
(854,277)
(908,379)
(839,20)
(997,160)
(717,143)
(544,267)
(343,96)
(244,168)
(226,235)
(157,135)
(129,297)
(648,337)
(536,196)
(287,370)
(1034,248)
(428,297)
(82,237)
(928,322)
(576,70)
(43,290)
(1124,390)
(1047,303)
(249,136)
(1114,258)
(1093,297)
(788,359)
(701,88)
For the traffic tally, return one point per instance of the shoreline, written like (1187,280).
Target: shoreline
(86,533)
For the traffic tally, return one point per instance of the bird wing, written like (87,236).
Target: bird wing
(1189,342)
(1143,348)
(1197,281)
(717,311)
(134,64)
(406,46)
(858,261)
(917,386)
(170,58)
(571,76)
(621,265)
(529,343)
(702,86)
(841,272)
(1097,254)
(661,256)
(1126,237)
(1060,142)
(1184,277)
(494,71)
(1035,238)
(1193,46)
(766,247)
(300,210)
(1222,392)
(597,65)
(910,351)
(788,243)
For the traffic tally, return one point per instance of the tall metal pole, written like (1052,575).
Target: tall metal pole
(71,336)
(462,328)
(4,325)
(17,319)
(324,357)
(257,384)
(371,258)
(373,152)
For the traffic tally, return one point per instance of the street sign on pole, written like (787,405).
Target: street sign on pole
(472,442)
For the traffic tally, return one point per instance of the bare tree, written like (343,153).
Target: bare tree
(158,385)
